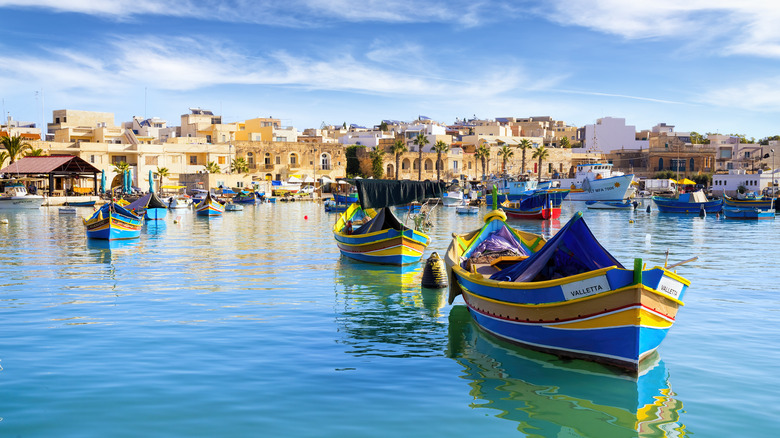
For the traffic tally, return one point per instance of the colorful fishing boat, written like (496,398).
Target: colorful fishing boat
(150,206)
(748,213)
(538,205)
(113,222)
(692,202)
(80,203)
(761,202)
(369,231)
(209,206)
(567,296)
(245,198)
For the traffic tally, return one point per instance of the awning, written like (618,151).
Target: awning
(325,179)
(686,182)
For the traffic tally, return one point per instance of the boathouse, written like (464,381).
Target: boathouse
(56,169)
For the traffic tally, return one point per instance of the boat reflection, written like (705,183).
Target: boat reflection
(155,229)
(106,251)
(382,311)
(548,396)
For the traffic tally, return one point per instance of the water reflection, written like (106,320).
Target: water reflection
(548,396)
(107,251)
(155,229)
(382,311)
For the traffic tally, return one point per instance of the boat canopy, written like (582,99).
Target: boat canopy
(376,193)
(384,220)
(149,200)
(573,250)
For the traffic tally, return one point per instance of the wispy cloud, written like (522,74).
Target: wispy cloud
(620,96)
(760,95)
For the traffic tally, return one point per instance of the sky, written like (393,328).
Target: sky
(700,65)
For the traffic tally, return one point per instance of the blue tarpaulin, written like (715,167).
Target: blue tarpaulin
(573,250)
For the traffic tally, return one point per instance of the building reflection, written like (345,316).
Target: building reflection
(549,397)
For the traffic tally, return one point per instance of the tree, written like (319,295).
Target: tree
(565,143)
(383,126)
(524,145)
(541,153)
(505,153)
(212,167)
(482,153)
(162,172)
(421,140)
(353,162)
(121,167)
(377,162)
(696,138)
(398,148)
(34,153)
(239,165)
(3,157)
(15,146)
(441,148)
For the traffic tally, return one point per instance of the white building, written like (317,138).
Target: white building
(752,182)
(611,133)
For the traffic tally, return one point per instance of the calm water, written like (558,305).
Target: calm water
(253,325)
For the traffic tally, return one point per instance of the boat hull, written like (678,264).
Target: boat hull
(210,208)
(113,227)
(540,214)
(155,214)
(748,213)
(21,202)
(609,205)
(667,205)
(616,188)
(764,203)
(390,247)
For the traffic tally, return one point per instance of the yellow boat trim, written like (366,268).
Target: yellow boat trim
(674,276)
(625,317)
(479,279)
(577,300)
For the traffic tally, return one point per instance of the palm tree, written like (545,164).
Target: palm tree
(482,153)
(398,148)
(421,140)
(239,165)
(212,167)
(441,148)
(541,153)
(162,172)
(3,157)
(524,144)
(34,153)
(505,153)
(377,156)
(15,146)
(119,168)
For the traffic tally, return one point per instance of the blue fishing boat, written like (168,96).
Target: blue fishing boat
(245,198)
(150,206)
(748,213)
(369,231)
(750,201)
(612,205)
(210,207)
(113,222)
(347,199)
(537,204)
(688,203)
(567,296)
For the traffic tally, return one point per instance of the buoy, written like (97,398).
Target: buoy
(630,221)
(648,209)
(306,217)
(434,273)
(177,220)
(702,212)
(3,221)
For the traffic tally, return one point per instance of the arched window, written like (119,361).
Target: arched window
(250,159)
(293,158)
(389,171)
(405,164)
(691,164)
(267,159)
(428,164)
(325,161)
(660,164)
(415,164)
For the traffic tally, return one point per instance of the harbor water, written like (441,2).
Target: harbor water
(252,324)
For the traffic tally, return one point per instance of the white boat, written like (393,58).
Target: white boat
(597,182)
(16,196)
(67,210)
(452,199)
(612,205)
(465,208)
(177,198)
(234,207)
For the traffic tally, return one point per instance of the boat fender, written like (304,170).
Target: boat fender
(702,212)
(434,273)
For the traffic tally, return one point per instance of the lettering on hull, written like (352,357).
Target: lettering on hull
(670,287)
(584,288)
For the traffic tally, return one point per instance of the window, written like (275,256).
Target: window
(250,158)
(208,139)
(239,184)
(267,159)
(660,164)
(278,160)
(116,159)
(692,164)
(193,159)
(91,158)
(293,159)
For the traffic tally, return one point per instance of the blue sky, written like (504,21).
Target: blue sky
(701,65)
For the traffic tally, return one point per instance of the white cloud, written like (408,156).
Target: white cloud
(761,95)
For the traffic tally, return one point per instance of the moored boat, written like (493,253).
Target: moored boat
(150,206)
(230,206)
(15,196)
(539,205)
(567,296)
(209,207)
(113,222)
(692,202)
(612,205)
(598,182)
(748,213)
(762,202)
(369,231)
(465,208)
(452,198)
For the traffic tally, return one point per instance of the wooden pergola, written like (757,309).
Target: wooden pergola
(52,166)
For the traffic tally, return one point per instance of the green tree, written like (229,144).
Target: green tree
(421,140)
(441,148)
(505,153)
(162,172)
(524,145)
(3,157)
(704,179)
(398,148)
(540,153)
(212,167)
(383,126)
(483,154)
(377,162)
(15,146)
(665,174)
(696,138)
(119,168)
(38,152)
(565,143)
(239,165)
(353,163)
